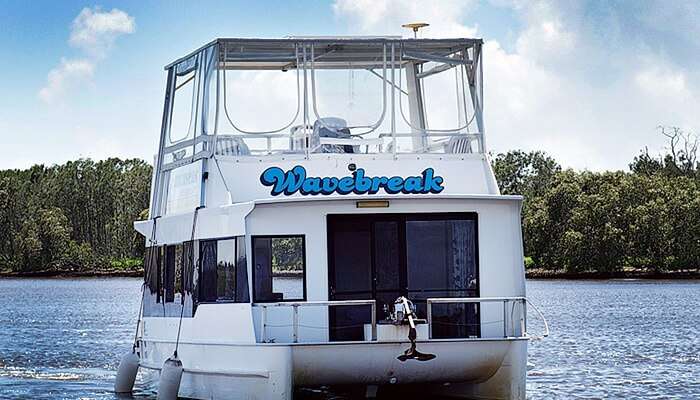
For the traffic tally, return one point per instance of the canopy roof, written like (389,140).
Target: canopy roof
(333,52)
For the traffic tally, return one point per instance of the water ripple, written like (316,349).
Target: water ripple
(62,339)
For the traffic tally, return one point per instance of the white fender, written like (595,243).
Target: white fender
(170,377)
(126,374)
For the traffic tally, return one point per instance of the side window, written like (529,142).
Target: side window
(223,275)
(152,271)
(168,277)
(279,268)
(173,272)
(169,274)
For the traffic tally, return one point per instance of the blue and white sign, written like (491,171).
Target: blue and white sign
(295,180)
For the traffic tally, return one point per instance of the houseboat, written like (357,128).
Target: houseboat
(324,214)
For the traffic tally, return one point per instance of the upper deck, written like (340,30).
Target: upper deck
(371,101)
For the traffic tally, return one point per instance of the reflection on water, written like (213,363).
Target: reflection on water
(62,339)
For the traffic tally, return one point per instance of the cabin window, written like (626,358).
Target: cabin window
(223,275)
(169,272)
(279,272)
(441,257)
(176,272)
(168,280)
(151,266)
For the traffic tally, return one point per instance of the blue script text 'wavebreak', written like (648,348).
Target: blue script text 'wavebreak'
(295,180)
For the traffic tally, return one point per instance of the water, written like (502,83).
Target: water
(62,338)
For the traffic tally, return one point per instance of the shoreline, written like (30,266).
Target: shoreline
(642,275)
(532,274)
(73,274)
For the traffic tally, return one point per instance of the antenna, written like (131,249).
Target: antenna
(415,26)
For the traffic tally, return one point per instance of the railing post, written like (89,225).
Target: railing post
(505,302)
(429,311)
(523,318)
(295,325)
(262,324)
(374,320)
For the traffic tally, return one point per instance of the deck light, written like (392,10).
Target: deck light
(372,204)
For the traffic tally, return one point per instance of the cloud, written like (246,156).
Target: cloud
(68,74)
(93,32)
(386,17)
(587,82)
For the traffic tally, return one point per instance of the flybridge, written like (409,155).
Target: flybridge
(390,115)
(295,180)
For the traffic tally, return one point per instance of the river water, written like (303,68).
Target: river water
(62,338)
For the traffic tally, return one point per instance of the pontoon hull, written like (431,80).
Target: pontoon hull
(491,369)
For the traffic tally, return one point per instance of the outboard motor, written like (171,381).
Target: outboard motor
(405,313)
(335,128)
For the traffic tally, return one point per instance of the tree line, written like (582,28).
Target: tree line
(74,216)
(645,219)
(79,216)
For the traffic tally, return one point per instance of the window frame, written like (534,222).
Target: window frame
(303,272)
(198,267)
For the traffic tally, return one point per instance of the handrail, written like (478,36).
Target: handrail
(524,301)
(295,307)
(444,300)
(505,300)
(544,321)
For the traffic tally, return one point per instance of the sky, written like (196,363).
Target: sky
(588,82)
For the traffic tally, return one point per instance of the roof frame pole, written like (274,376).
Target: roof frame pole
(459,88)
(393,99)
(476,84)
(218,93)
(198,125)
(415,106)
(306,105)
(156,201)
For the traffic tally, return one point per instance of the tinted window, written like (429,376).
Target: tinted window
(207,276)
(169,274)
(278,268)
(223,271)
(441,256)
(441,262)
(351,247)
(168,278)
(226,269)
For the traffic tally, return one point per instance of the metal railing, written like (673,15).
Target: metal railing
(203,146)
(514,310)
(506,301)
(295,313)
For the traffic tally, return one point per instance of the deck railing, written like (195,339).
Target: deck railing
(508,302)
(513,312)
(295,313)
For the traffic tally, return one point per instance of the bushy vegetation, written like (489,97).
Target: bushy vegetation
(647,219)
(79,215)
(75,216)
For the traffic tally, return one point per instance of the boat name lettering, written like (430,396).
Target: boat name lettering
(295,180)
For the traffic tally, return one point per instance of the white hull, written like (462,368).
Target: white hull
(489,369)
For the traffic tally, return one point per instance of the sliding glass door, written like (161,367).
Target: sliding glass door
(384,256)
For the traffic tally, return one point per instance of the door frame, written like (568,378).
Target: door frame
(402,219)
